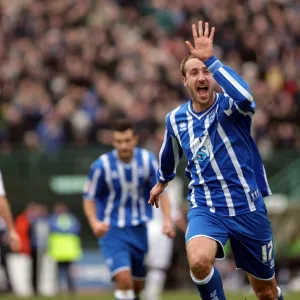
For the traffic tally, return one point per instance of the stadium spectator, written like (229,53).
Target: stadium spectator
(68,67)
(64,243)
(28,226)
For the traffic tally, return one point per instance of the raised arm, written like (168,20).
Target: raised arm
(232,84)
(237,90)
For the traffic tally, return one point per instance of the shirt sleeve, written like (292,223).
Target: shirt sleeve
(2,190)
(236,91)
(94,181)
(169,156)
(153,170)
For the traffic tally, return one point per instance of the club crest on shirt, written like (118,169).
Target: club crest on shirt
(182,126)
(202,154)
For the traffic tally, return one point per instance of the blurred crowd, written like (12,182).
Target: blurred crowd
(67,68)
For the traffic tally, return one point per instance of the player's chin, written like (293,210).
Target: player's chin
(125,154)
(203,100)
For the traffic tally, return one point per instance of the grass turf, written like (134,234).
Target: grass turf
(178,295)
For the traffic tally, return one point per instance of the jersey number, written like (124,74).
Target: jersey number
(267,252)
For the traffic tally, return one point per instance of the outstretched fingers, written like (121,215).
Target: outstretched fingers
(200,28)
(190,46)
(195,33)
(206,29)
(212,33)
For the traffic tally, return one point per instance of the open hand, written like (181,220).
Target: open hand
(203,41)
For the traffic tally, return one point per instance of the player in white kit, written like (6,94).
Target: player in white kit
(5,213)
(158,263)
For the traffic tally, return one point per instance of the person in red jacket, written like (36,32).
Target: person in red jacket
(23,224)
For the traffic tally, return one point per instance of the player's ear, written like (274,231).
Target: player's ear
(184,80)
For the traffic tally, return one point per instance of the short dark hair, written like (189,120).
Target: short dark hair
(123,125)
(183,62)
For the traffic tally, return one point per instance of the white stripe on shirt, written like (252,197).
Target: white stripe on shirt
(174,125)
(146,167)
(124,194)
(236,84)
(236,165)
(93,185)
(266,181)
(217,171)
(161,177)
(192,148)
(134,192)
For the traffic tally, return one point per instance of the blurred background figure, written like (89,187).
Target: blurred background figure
(158,262)
(64,243)
(6,215)
(25,228)
(9,239)
(4,251)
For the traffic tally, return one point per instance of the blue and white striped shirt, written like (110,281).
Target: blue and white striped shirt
(225,169)
(122,191)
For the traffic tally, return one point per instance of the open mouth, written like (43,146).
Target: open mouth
(202,90)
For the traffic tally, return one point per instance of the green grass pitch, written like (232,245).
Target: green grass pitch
(178,295)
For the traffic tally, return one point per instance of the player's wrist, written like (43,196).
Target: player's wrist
(94,222)
(162,184)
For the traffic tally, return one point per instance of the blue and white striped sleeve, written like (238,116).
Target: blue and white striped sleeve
(94,182)
(153,170)
(169,155)
(238,96)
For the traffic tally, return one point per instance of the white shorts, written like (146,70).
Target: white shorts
(160,247)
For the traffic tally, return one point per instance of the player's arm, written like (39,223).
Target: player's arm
(168,226)
(91,190)
(233,84)
(169,157)
(6,214)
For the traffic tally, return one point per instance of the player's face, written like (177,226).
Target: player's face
(124,142)
(200,82)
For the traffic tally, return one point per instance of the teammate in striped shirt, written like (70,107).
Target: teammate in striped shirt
(115,203)
(5,214)
(227,177)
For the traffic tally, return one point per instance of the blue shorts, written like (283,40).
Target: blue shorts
(125,249)
(250,237)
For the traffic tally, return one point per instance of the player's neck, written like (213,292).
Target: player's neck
(126,160)
(198,108)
